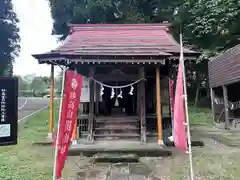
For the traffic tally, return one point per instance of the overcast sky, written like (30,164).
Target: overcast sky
(35,31)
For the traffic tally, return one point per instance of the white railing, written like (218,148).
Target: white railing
(231,105)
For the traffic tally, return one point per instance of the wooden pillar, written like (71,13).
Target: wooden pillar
(213,104)
(142,105)
(158,104)
(105,102)
(91,105)
(97,90)
(138,98)
(133,104)
(171,91)
(225,96)
(75,133)
(50,125)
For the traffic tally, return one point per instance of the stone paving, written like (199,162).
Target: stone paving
(221,148)
(118,171)
(134,147)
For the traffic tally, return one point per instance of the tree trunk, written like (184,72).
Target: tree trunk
(198,82)
(196,96)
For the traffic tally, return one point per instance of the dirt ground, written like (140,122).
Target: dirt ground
(212,162)
(215,161)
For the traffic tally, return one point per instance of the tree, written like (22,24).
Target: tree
(210,24)
(58,81)
(29,78)
(22,84)
(109,11)
(9,36)
(46,81)
(37,84)
(206,24)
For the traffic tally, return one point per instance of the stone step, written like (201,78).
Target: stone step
(118,132)
(115,158)
(118,135)
(115,128)
(117,118)
(122,147)
(126,177)
(108,121)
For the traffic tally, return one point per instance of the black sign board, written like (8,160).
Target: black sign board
(8,110)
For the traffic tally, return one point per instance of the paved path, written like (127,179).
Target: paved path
(29,106)
(119,171)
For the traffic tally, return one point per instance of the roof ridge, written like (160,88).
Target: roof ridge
(123,25)
(96,27)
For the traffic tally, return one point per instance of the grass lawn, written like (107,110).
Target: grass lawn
(27,161)
(212,162)
(219,159)
(200,116)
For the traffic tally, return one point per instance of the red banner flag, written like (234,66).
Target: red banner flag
(179,130)
(69,110)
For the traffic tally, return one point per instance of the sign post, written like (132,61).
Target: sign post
(8,110)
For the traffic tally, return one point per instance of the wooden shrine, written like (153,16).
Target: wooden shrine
(128,67)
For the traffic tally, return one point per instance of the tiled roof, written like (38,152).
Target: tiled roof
(224,68)
(119,40)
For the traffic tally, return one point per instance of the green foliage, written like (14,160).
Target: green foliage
(206,24)
(200,116)
(211,24)
(58,82)
(39,86)
(9,36)
(110,11)
(27,160)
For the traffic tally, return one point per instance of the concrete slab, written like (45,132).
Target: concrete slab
(115,158)
(137,177)
(129,147)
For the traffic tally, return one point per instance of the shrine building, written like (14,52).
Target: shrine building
(127,70)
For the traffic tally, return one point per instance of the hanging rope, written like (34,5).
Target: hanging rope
(118,87)
(105,85)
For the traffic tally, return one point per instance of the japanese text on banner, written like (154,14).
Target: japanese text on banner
(69,110)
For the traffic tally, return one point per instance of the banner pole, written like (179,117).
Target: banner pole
(186,110)
(58,126)
(74,135)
